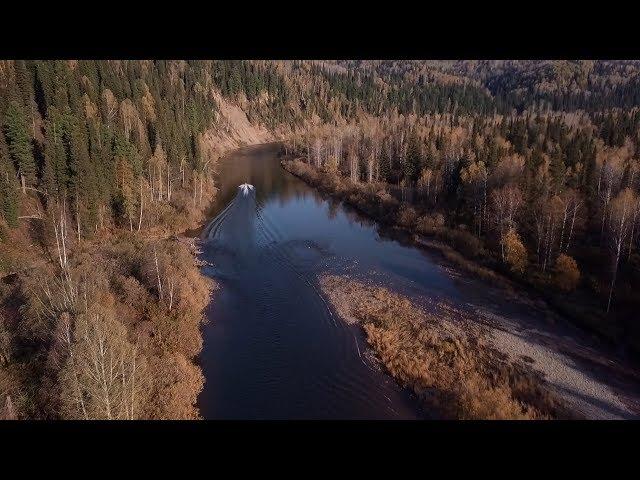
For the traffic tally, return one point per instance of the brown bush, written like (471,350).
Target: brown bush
(464,379)
(177,382)
(469,245)
(515,251)
(118,277)
(430,223)
(176,331)
(567,275)
(407,217)
(475,398)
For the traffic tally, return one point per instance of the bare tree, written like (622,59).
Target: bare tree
(574,206)
(128,115)
(5,343)
(505,203)
(633,234)
(474,177)
(336,151)
(141,205)
(110,104)
(610,174)
(60,229)
(619,228)
(354,161)
(9,411)
(316,152)
(103,376)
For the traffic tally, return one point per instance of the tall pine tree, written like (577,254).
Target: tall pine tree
(19,141)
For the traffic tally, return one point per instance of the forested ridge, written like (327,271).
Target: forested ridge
(530,168)
(526,166)
(100,161)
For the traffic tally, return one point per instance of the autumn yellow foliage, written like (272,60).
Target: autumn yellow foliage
(515,251)
(450,369)
(567,273)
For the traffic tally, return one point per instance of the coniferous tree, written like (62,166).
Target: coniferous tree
(9,196)
(19,141)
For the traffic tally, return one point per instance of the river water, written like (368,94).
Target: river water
(273,348)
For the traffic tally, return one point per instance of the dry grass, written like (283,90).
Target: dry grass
(449,367)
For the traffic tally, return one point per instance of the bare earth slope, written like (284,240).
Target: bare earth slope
(233,129)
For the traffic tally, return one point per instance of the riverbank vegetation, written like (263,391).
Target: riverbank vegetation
(529,169)
(473,255)
(110,332)
(447,364)
(526,168)
(100,309)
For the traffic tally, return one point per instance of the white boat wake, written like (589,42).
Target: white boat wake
(245,188)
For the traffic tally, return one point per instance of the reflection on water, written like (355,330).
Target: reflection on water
(272,348)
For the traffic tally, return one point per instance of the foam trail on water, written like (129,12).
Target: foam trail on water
(246,188)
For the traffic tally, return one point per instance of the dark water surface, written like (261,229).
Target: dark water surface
(272,348)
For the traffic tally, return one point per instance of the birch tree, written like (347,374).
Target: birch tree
(474,178)
(104,376)
(505,203)
(619,228)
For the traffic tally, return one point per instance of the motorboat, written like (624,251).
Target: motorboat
(245,188)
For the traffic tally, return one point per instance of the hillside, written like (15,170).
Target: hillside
(529,168)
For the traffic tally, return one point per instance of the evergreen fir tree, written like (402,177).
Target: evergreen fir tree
(19,141)
(9,196)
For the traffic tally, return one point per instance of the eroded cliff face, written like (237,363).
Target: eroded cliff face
(232,130)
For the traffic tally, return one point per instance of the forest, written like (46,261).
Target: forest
(101,162)
(527,168)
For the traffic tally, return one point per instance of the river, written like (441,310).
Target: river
(273,348)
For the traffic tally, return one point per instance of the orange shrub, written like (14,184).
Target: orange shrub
(407,217)
(467,379)
(567,275)
(515,251)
